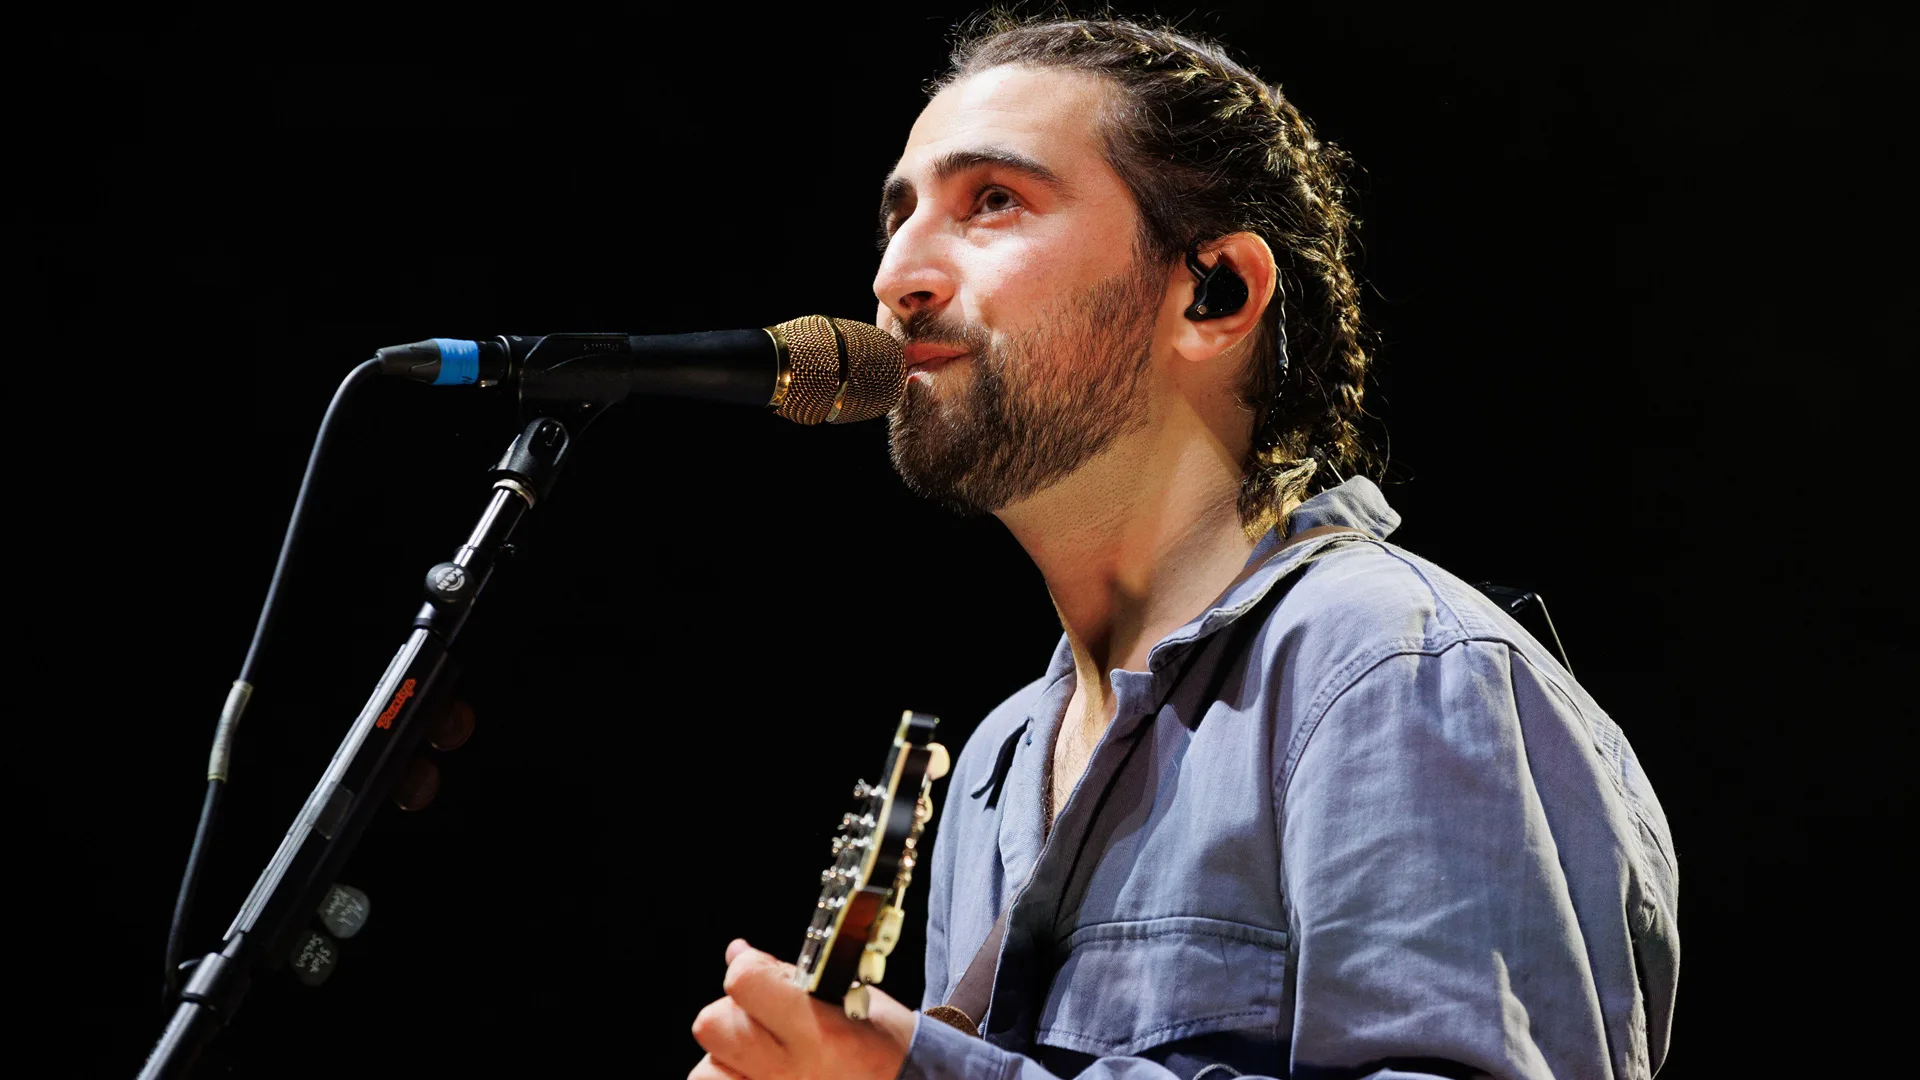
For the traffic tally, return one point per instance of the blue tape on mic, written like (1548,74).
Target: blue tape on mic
(459,362)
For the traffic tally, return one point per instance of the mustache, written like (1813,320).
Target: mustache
(939,328)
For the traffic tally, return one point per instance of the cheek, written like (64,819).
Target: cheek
(1024,275)
(1013,285)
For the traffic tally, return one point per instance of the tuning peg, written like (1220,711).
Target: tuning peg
(417,786)
(314,957)
(862,790)
(886,934)
(938,761)
(453,727)
(857,1002)
(873,966)
(344,911)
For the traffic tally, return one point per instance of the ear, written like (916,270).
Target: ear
(1245,254)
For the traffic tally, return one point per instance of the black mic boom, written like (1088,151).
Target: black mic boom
(810,370)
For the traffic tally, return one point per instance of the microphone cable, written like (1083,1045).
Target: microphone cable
(220,757)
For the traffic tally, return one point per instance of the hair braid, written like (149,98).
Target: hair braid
(1311,421)
(1207,149)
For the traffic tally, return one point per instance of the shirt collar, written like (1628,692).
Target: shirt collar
(1356,504)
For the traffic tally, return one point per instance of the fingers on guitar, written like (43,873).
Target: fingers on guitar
(765,988)
(723,1027)
(746,968)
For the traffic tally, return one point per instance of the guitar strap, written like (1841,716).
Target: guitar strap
(971,994)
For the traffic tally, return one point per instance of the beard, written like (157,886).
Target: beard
(1039,405)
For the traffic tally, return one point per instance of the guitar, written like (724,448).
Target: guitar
(857,920)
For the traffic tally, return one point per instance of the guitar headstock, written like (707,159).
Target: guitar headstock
(857,920)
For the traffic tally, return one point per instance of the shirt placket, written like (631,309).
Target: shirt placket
(1024,968)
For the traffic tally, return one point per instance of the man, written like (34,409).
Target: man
(1289,800)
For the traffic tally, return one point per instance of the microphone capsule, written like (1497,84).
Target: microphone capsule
(835,371)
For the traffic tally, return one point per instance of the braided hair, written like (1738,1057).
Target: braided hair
(1207,149)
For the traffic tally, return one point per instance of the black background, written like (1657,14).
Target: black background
(1639,276)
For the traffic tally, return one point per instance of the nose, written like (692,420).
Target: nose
(914,274)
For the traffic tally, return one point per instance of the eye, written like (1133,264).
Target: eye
(994,199)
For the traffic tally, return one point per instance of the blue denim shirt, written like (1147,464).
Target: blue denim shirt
(1351,821)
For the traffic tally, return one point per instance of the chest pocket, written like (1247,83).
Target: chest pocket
(1126,987)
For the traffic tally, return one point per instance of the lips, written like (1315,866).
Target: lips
(926,356)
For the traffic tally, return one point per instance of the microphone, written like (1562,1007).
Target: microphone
(810,370)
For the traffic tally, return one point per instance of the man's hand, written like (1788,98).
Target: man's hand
(768,1028)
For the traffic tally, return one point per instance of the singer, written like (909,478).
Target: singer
(1288,800)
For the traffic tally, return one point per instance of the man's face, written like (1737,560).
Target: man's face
(1012,273)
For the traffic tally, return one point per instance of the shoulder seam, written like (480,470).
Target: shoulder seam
(1358,668)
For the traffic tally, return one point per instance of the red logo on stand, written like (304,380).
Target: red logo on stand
(393,707)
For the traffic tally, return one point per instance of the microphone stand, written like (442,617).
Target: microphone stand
(378,747)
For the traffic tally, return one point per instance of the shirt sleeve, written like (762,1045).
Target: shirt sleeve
(1431,902)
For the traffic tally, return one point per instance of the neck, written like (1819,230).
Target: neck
(1135,544)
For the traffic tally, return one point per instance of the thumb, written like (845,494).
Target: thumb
(890,1016)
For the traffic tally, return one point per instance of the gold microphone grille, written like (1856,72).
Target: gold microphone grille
(837,371)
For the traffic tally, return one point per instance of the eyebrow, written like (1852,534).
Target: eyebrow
(898,188)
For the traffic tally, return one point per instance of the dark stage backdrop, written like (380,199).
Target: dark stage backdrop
(1636,276)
